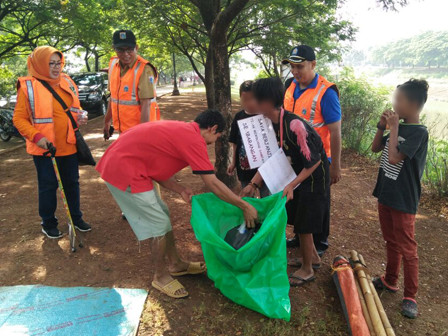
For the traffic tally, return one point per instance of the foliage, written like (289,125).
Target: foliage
(10,70)
(436,172)
(427,49)
(361,105)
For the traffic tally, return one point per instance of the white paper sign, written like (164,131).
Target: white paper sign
(259,139)
(277,172)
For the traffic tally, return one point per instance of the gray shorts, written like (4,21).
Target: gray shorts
(145,212)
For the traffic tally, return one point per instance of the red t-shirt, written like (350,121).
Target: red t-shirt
(154,151)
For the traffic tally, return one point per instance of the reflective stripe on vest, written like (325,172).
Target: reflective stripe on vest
(29,87)
(112,65)
(125,102)
(313,106)
(134,97)
(43,120)
(71,85)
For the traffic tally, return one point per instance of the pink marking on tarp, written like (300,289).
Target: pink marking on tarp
(299,129)
(60,326)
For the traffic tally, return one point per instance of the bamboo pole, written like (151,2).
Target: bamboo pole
(365,311)
(382,312)
(368,296)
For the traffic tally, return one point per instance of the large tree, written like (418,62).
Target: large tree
(209,32)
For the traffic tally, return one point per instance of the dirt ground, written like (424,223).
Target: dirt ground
(111,257)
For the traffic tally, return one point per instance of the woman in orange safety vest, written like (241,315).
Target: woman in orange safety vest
(41,120)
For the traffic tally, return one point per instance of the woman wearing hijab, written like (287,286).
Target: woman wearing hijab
(41,119)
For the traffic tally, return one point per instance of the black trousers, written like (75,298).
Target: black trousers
(321,239)
(48,186)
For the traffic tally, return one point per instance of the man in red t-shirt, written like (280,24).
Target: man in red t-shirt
(155,152)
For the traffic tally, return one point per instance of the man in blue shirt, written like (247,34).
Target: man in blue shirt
(315,99)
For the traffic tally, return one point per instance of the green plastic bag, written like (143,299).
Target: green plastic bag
(255,275)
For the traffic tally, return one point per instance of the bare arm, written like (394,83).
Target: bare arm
(395,156)
(224,193)
(303,175)
(172,185)
(336,147)
(107,121)
(233,163)
(377,145)
(146,108)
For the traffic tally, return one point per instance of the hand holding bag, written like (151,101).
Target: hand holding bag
(85,157)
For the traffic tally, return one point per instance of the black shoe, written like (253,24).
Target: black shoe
(123,217)
(293,242)
(321,252)
(52,233)
(409,308)
(83,226)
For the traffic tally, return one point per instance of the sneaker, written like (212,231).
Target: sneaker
(409,308)
(83,226)
(52,233)
(380,284)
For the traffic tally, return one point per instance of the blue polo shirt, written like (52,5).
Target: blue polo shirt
(330,106)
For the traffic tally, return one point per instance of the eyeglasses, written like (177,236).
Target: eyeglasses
(56,65)
(125,50)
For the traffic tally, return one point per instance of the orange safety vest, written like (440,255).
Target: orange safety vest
(308,107)
(126,109)
(40,109)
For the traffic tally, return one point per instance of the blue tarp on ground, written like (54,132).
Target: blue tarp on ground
(41,310)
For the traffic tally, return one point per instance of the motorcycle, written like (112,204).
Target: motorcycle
(7,129)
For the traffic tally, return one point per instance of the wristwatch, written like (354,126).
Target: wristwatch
(383,128)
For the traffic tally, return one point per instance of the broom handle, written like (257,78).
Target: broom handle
(64,199)
(364,308)
(383,315)
(368,296)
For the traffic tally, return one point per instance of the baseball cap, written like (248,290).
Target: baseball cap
(124,38)
(300,54)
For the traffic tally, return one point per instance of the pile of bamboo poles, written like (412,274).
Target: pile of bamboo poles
(372,307)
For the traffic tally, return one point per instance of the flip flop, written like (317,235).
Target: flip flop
(304,281)
(193,268)
(296,263)
(170,289)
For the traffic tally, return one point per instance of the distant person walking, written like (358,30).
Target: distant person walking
(315,99)
(41,119)
(132,83)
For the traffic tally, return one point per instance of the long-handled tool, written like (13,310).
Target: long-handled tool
(72,236)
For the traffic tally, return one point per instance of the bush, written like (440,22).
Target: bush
(435,177)
(361,105)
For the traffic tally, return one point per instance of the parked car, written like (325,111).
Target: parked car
(93,92)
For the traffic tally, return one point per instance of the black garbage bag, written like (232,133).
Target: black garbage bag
(241,235)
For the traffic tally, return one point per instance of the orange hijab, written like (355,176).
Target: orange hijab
(39,64)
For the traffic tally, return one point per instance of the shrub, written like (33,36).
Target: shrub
(361,105)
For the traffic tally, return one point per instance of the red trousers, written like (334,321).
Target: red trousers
(398,231)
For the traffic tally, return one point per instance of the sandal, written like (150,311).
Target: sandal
(193,268)
(381,284)
(409,308)
(304,281)
(170,289)
(296,263)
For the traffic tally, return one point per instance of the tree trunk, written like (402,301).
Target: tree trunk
(223,102)
(86,60)
(209,79)
(97,62)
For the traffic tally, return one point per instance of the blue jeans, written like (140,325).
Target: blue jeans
(48,186)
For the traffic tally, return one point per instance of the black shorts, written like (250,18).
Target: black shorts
(309,212)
